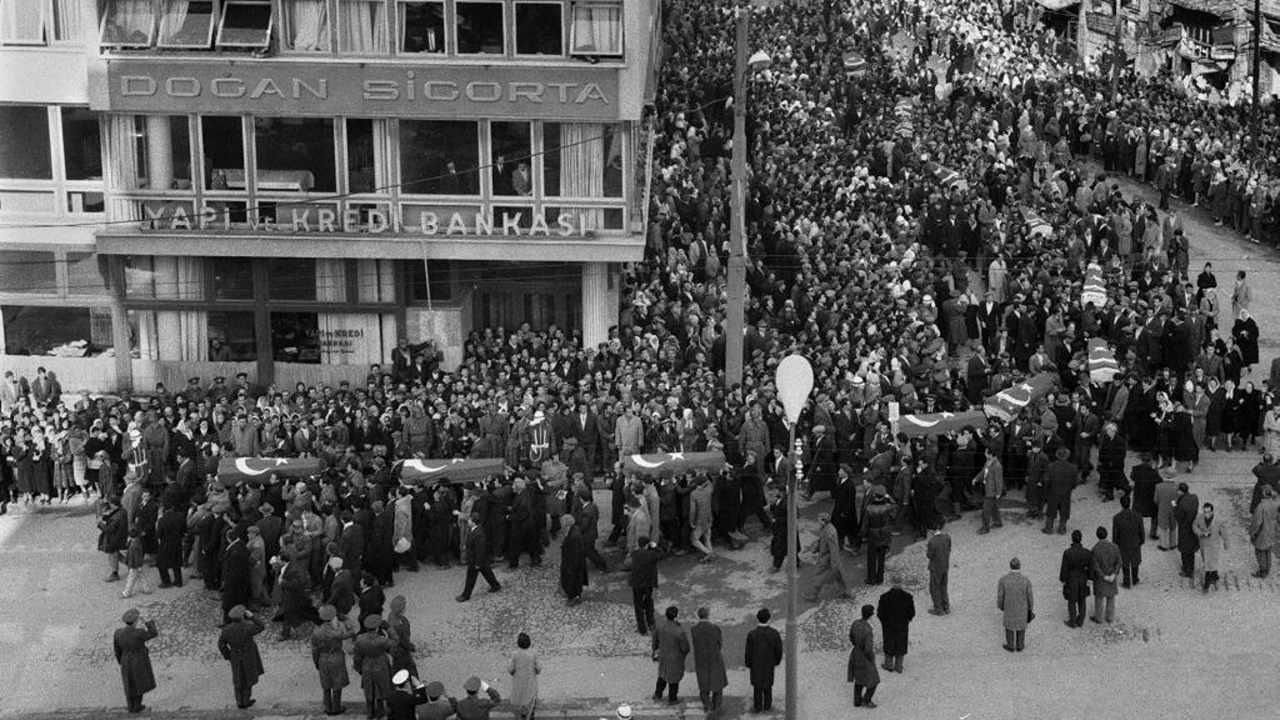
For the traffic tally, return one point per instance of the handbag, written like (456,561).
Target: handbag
(1030,615)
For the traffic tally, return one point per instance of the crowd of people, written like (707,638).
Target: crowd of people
(921,261)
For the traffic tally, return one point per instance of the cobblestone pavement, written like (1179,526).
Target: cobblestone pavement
(1174,650)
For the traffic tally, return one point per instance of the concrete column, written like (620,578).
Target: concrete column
(597,312)
(159,152)
(120,324)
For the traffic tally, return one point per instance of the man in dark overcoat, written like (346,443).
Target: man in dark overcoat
(708,660)
(573,561)
(862,659)
(1128,534)
(170,530)
(236,586)
(237,646)
(130,644)
(763,654)
(1185,510)
(896,610)
(1076,571)
(670,647)
(1145,479)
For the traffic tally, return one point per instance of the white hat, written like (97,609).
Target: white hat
(400,678)
(624,712)
(402,546)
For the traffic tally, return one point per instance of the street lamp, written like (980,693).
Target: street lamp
(735,320)
(794,379)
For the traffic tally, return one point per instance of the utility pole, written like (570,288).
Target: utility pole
(736,314)
(1257,75)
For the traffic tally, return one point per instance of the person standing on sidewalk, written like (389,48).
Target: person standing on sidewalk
(524,669)
(1015,598)
(1185,509)
(1165,527)
(896,610)
(643,577)
(876,526)
(862,659)
(1106,569)
(938,551)
(1262,530)
(991,480)
(763,655)
(1128,534)
(1060,479)
(1213,544)
(237,646)
(708,660)
(1077,568)
(330,659)
(827,565)
(130,644)
(670,645)
(113,537)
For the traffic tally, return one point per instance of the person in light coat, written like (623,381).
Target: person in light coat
(1213,543)
(1106,570)
(1262,530)
(524,669)
(1015,598)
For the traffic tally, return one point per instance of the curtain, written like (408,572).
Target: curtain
(307,24)
(145,340)
(123,138)
(69,20)
(331,280)
(362,29)
(172,21)
(22,21)
(597,29)
(185,333)
(376,280)
(582,168)
(129,22)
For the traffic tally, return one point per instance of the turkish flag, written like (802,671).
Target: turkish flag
(677,463)
(233,470)
(457,470)
(939,423)
(1011,401)
(1102,361)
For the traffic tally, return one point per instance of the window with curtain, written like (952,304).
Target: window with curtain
(245,23)
(68,21)
(539,28)
(129,23)
(596,29)
(148,152)
(306,25)
(422,27)
(480,27)
(362,27)
(367,156)
(23,22)
(186,23)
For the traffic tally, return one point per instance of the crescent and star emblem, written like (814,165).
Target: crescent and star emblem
(242,465)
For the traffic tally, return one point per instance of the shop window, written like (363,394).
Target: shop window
(81,144)
(232,278)
(439,157)
(582,160)
(245,24)
(149,152)
(480,28)
(223,141)
(186,23)
(86,274)
(232,337)
(539,28)
(362,162)
(129,23)
(24,22)
(57,330)
(510,159)
(28,271)
(422,27)
(306,25)
(292,279)
(294,154)
(295,337)
(362,26)
(596,29)
(440,274)
(24,143)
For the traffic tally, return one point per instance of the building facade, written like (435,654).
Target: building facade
(287,187)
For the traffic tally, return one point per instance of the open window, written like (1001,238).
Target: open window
(23,22)
(187,23)
(481,27)
(422,27)
(245,24)
(596,30)
(129,23)
(539,28)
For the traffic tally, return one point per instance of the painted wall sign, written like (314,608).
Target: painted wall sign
(377,90)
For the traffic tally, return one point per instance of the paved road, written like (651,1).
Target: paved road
(1174,651)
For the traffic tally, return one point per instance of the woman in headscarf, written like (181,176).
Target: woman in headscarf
(401,635)
(1245,332)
